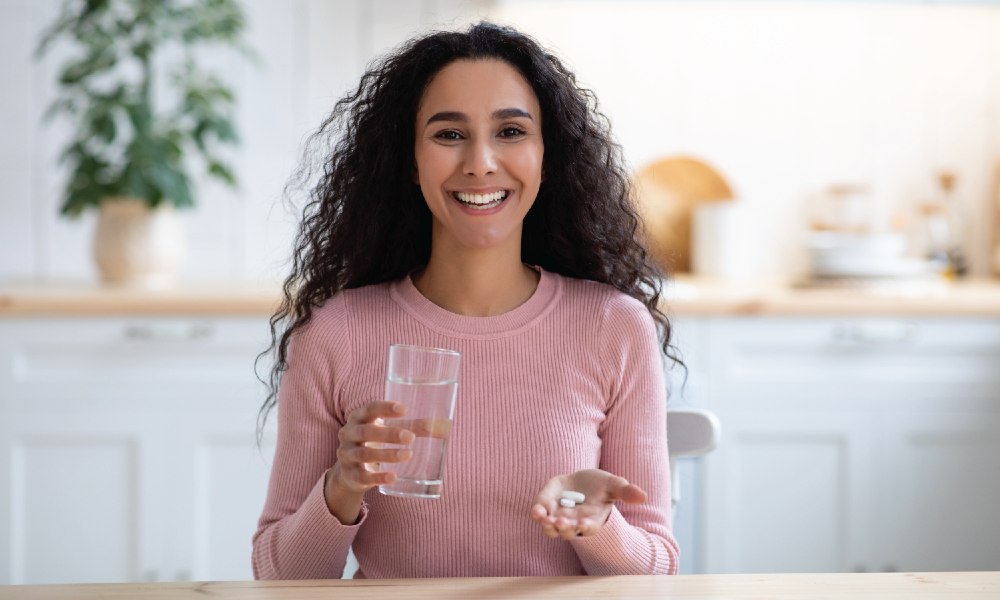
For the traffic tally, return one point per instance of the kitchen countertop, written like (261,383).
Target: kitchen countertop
(706,297)
(911,586)
(684,296)
(70,299)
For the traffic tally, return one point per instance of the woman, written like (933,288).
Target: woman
(474,201)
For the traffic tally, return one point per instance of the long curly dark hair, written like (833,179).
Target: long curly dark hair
(366,221)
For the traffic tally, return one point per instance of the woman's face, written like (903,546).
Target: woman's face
(478,153)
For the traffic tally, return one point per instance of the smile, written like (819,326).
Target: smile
(482,201)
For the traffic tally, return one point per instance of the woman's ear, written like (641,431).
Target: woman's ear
(415,175)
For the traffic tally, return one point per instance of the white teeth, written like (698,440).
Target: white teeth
(481,200)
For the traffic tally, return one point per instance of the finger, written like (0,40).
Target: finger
(620,489)
(548,526)
(586,527)
(548,497)
(430,428)
(367,454)
(362,433)
(358,478)
(539,513)
(566,528)
(378,409)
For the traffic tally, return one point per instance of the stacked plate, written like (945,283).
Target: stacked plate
(838,255)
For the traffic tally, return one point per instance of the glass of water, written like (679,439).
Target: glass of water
(425,381)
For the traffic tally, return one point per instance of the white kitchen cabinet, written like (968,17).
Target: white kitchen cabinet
(686,390)
(852,444)
(127,448)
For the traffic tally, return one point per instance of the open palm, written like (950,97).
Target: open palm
(602,490)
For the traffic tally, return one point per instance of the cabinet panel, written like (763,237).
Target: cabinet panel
(941,492)
(114,363)
(688,389)
(70,496)
(231,483)
(787,493)
(857,360)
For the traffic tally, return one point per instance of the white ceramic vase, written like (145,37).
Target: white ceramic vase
(138,246)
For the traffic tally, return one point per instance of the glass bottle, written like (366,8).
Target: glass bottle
(958,264)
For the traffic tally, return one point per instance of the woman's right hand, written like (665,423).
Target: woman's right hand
(360,455)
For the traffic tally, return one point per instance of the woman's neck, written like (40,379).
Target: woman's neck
(476,286)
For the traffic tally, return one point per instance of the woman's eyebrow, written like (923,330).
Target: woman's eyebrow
(503,113)
(447,116)
(511,113)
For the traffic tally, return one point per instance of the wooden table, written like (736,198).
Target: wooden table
(884,586)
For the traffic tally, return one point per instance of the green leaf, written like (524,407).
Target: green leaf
(86,67)
(173,184)
(103,126)
(60,105)
(140,115)
(223,129)
(221,171)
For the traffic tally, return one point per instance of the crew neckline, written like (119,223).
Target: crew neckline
(404,293)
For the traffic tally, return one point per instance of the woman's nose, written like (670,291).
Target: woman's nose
(480,159)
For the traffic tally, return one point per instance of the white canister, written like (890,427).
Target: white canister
(721,240)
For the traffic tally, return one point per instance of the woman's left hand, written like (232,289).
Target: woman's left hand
(602,490)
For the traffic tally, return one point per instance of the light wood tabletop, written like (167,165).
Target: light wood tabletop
(884,586)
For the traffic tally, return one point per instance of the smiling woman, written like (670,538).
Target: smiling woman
(479,170)
(474,201)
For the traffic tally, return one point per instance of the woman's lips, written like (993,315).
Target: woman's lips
(481,201)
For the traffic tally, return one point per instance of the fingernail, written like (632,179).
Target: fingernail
(407,437)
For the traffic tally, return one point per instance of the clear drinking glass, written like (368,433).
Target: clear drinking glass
(425,381)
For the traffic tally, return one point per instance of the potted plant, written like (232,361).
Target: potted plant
(146,114)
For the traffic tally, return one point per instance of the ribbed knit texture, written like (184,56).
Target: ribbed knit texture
(571,379)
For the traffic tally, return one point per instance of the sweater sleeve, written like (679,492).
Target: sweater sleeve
(637,538)
(297,537)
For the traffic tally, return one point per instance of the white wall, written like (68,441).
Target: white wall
(787,97)
(783,97)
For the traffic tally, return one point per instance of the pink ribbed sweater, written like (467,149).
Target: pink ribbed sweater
(571,379)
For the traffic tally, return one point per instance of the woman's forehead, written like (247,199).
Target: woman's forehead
(486,85)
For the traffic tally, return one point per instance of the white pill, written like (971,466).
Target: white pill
(566,503)
(576,497)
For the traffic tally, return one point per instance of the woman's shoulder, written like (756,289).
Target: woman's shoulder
(611,311)
(348,305)
(605,295)
(332,326)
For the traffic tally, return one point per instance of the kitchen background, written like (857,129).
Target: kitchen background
(844,414)
(783,98)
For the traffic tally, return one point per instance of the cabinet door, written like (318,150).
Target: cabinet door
(76,514)
(789,486)
(116,433)
(228,482)
(788,492)
(940,491)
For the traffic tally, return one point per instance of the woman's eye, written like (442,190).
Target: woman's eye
(448,135)
(510,132)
